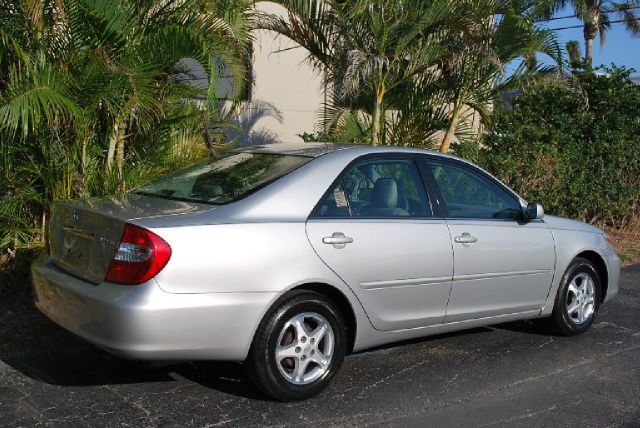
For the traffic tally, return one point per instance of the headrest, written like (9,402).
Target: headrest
(385,193)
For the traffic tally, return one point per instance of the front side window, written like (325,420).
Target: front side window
(224,180)
(469,194)
(377,188)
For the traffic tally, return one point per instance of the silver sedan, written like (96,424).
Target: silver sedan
(287,257)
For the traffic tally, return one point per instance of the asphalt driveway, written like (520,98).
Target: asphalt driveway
(502,376)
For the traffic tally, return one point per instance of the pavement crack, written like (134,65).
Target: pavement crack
(546,343)
(605,324)
(573,366)
(147,413)
(397,373)
(509,421)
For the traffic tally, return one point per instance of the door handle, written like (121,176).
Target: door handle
(466,238)
(338,240)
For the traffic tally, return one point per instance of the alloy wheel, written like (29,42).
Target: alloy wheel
(580,303)
(305,348)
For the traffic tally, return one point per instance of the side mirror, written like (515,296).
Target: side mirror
(534,211)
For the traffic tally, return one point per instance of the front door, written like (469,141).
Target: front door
(375,229)
(503,265)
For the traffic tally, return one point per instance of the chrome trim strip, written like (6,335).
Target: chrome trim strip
(414,282)
(471,277)
(375,285)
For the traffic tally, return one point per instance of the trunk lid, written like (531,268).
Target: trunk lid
(84,235)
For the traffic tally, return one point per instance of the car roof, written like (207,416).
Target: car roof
(316,149)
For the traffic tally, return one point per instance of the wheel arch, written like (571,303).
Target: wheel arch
(329,291)
(341,301)
(601,268)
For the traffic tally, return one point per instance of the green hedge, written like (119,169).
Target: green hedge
(572,144)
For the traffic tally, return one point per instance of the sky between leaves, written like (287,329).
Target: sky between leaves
(621,48)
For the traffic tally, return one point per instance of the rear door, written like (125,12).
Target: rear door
(376,229)
(503,265)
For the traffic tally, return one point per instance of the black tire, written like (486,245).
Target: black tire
(262,365)
(561,321)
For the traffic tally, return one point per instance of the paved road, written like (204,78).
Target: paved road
(503,376)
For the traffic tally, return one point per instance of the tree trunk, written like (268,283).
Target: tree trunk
(451,131)
(81,182)
(377,116)
(113,140)
(120,157)
(85,144)
(589,51)
(207,139)
(590,31)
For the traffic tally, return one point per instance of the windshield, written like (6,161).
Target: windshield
(224,180)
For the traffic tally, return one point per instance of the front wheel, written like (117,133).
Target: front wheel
(298,348)
(578,298)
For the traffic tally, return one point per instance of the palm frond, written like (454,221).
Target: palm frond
(35,97)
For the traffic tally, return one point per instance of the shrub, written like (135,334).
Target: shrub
(571,144)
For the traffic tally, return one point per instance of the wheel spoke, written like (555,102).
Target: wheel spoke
(320,359)
(581,313)
(300,369)
(573,288)
(588,285)
(298,324)
(319,332)
(283,352)
(573,307)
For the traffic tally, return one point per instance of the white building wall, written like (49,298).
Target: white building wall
(287,94)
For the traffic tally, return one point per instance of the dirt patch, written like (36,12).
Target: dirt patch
(626,241)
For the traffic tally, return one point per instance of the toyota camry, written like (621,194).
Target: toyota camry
(289,256)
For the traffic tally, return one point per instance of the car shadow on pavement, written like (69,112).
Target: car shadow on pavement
(534,327)
(421,340)
(37,348)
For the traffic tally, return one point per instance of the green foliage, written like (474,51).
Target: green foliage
(325,137)
(405,71)
(572,145)
(91,101)
(318,137)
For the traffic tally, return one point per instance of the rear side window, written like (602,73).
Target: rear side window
(224,180)
(377,188)
(469,194)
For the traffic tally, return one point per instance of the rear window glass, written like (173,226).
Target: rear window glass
(224,180)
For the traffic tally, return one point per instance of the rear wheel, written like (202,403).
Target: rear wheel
(578,298)
(298,348)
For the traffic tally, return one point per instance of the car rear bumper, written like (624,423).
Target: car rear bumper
(144,322)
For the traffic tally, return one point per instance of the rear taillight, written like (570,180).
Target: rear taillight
(140,256)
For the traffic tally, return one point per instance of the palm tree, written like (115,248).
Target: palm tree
(573,52)
(370,50)
(499,55)
(596,17)
(87,86)
(104,68)
(395,66)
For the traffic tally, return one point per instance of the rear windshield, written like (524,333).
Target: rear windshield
(223,180)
